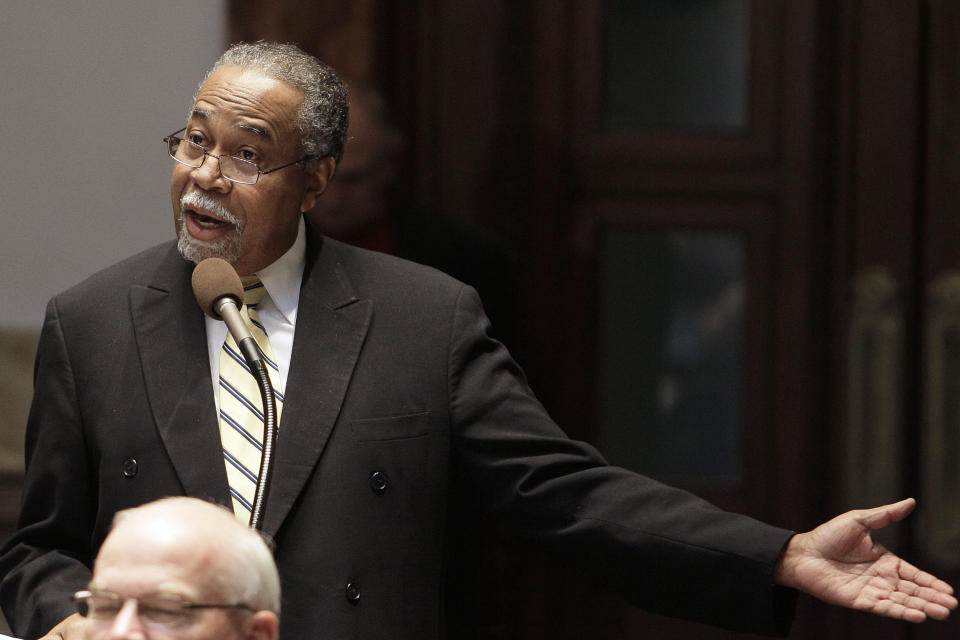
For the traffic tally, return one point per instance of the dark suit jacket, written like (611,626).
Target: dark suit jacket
(392,374)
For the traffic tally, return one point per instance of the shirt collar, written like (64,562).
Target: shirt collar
(282,278)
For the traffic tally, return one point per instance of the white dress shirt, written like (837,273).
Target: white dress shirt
(277,311)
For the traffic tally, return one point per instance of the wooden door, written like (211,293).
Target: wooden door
(676,163)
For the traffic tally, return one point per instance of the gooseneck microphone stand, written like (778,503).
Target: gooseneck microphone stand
(219,291)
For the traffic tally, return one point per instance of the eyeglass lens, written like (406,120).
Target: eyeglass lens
(152,609)
(193,155)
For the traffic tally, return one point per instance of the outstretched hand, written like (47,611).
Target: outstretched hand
(838,562)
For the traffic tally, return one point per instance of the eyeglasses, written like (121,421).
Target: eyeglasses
(232,168)
(154,609)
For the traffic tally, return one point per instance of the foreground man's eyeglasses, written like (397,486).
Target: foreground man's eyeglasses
(154,609)
(232,168)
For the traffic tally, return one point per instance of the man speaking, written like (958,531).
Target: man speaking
(394,407)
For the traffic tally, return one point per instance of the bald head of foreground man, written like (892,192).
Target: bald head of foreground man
(181,568)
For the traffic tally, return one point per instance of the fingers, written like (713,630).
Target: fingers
(914,594)
(930,604)
(880,517)
(906,593)
(915,601)
(936,611)
(917,583)
(928,587)
(892,609)
(912,574)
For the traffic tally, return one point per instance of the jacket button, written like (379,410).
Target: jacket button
(129,468)
(378,482)
(353,593)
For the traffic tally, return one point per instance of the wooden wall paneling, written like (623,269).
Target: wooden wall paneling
(886,175)
(549,171)
(604,176)
(425,145)
(623,152)
(941,224)
(339,33)
(468,95)
(796,408)
(765,161)
(562,605)
(876,177)
(754,220)
(403,74)
(843,103)
(939,268)
(444,76)
(879,175)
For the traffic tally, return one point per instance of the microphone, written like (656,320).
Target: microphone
(219,293)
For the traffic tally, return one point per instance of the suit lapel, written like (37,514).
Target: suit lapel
(171,338)
(331,327)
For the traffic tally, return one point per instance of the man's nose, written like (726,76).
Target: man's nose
(208,176)
(127,625)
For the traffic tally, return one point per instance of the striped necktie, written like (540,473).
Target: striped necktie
(241,408)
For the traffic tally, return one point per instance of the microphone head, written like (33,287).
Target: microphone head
(213,279)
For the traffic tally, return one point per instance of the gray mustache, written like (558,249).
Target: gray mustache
(202,200)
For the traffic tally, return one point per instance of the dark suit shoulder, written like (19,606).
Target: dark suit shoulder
(375,274)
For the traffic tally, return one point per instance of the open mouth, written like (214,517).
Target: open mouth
(205,220)
(204,226)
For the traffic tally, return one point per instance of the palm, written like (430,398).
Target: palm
(839,563)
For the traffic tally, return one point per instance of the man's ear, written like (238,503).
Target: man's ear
(319,174)
(263,625)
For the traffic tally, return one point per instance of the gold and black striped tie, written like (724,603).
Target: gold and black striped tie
(241,409)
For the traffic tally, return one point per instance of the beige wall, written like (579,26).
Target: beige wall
(89,91)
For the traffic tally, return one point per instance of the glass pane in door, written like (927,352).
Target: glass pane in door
(670,351)
(677,64)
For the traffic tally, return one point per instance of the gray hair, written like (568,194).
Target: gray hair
(251,574)
(247,572)
(323,116)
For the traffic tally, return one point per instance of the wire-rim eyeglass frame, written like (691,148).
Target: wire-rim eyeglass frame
(238,164)
(103,606)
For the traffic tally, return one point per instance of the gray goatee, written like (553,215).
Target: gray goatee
(228,247)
